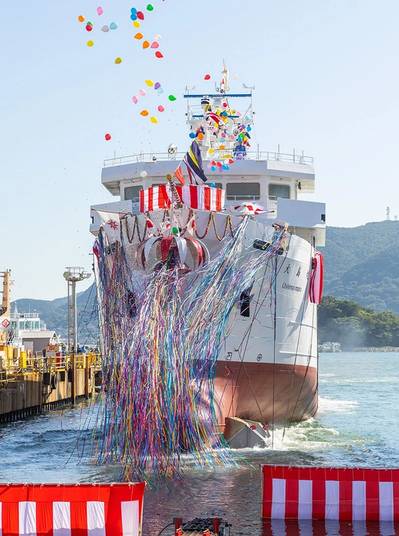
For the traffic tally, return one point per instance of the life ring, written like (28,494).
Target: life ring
(316,279)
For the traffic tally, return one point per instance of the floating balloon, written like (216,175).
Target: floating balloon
(135,100)
(172,98)
(144,113)
(159,54)
(139,36)
(150,7)
(161,108)
(143,174)
(140,15)
(108,137)
(90,43)
(105,28)
(149,83)
(81,18)
(157,85)
(113,26)
(100,11)
(146,44)
(155,44)
(200,136)
(89,26)
(207,77)
(160,91)
(192,135)
(142,92)
(157,37)
(154,119)
(118,60)
(136,24)
(133,16)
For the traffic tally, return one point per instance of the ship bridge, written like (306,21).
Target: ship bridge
(272,179)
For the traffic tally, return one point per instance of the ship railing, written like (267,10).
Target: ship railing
(293,157)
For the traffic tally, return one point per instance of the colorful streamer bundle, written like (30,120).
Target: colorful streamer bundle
(161,337)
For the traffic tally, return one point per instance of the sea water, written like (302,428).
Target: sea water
(357,425)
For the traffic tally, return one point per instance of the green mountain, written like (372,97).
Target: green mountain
(362,264)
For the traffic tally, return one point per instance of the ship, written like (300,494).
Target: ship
(267,365)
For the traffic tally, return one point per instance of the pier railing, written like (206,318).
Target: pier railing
(25,364)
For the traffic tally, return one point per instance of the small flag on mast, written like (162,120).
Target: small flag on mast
(193,161)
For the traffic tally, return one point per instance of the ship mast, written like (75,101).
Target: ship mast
(5,302)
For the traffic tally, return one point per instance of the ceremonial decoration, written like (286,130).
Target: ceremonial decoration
(170,304)
(345,494)
(60,509)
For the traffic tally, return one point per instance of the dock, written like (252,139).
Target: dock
(32,384)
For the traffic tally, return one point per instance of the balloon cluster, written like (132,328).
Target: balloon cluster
(156,86)
(136,16)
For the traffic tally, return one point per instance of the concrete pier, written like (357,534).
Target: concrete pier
(46,383)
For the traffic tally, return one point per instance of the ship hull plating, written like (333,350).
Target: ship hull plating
(265,392)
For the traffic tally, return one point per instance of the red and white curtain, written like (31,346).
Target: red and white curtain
(193,196)
(329,493)
(75,510)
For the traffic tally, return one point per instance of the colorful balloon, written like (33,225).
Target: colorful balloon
(108,137)
(157,85)
(140,15)
(135,100)
(136,24)
(81,18)
(207,77)
(150,7)
(118,61)
(144,113)
(149,83)
(154,119)
(105,28)
(158,54)
(139,36)
(146,44)
(142,92)
(172,98)
(161,108)
(192,135)
(113,26)
(89,26)
(100,11)
(155,44)
(90,43)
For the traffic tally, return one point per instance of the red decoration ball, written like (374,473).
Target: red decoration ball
(108,137)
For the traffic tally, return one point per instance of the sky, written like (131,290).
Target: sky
(326,77)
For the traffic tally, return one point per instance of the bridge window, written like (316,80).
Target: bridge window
(243,190)
(133,193)
(279,190)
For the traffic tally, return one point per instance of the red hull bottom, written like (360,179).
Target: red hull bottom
(265,392)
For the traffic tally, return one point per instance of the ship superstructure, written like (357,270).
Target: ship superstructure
(267,365)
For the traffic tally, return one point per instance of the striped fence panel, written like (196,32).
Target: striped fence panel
(328,493)
(71,510)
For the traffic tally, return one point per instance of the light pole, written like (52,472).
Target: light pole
(72,275)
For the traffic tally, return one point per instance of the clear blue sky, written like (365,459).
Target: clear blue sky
(326,75)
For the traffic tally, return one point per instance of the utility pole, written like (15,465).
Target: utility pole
(72,275)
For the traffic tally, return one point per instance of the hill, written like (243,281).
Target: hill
(54,314)
(362,264)
(354,326)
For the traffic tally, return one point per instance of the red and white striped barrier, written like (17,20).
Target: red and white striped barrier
(327,493)
(71,510)
(193,196)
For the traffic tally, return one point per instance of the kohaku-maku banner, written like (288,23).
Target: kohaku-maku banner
(343,494)
(71,510)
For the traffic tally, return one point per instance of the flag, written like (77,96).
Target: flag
(179,175)
(193,161)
